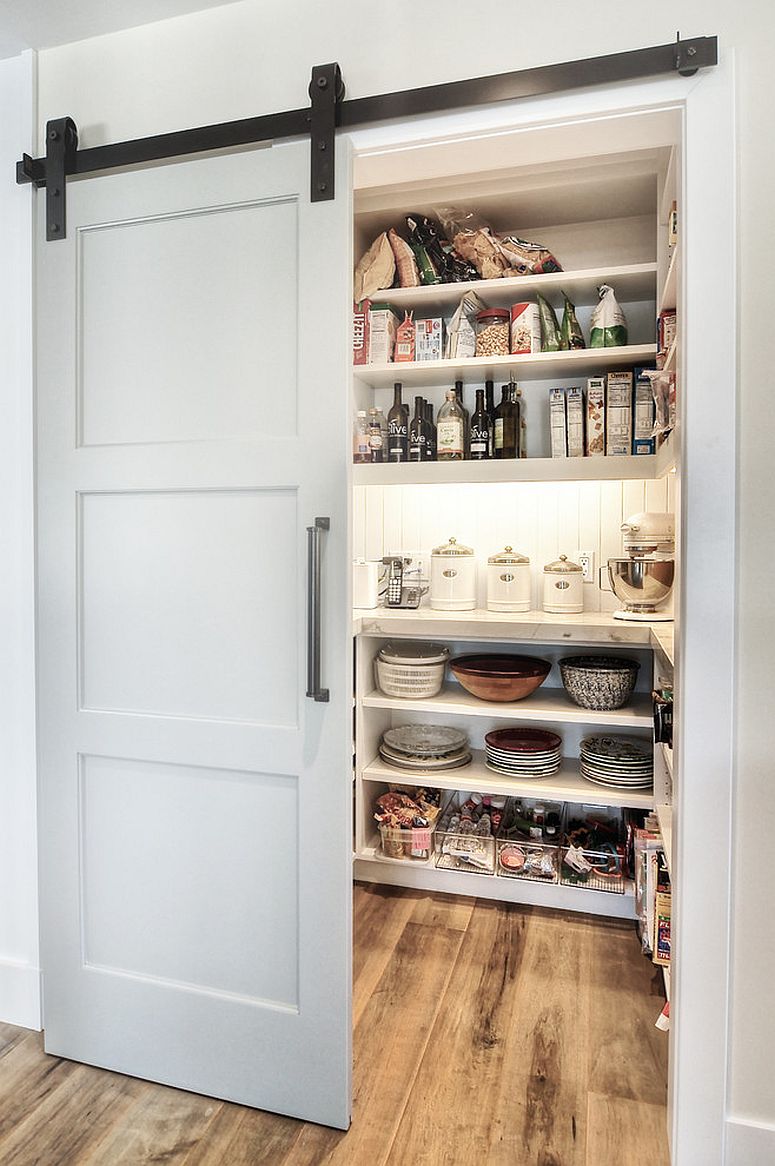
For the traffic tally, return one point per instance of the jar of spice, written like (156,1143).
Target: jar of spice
(492,332)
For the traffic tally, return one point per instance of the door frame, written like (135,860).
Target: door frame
(706,675)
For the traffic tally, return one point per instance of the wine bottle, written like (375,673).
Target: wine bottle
(377,452)
(430,433)
(417,432)
(505,427)
(450,431)
(398,427)
(466,419)
(480,430)
(490,406)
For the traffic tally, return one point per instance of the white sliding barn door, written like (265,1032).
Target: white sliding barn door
(195,805)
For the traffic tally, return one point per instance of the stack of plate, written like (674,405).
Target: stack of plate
(425,748)
(523,752)
(618,762)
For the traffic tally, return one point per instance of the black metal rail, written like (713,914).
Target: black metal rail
(329,111)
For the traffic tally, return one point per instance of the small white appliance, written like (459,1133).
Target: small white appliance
(453,577)
(366,575)
(508,581)
(563,587)
(643,581)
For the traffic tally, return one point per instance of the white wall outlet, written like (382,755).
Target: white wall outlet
(587,564)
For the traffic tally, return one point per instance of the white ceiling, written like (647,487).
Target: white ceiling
(40,24)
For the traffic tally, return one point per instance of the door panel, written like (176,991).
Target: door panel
(195,806)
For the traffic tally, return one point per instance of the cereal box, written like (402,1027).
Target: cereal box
(643,441)
(557,424)
(595,417)
(574,408)
(428,339)
(618,414)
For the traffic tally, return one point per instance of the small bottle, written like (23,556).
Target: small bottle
(361,439)
(376,448)
(398,426)
(430,433)
(505,427)
(466,419)
(480,430)
(489,401)
(450,431)
(417,430)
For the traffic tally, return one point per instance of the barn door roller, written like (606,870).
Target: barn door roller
(328,111)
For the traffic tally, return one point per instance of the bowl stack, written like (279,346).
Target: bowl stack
(523,752)
(618,762)
(425,748)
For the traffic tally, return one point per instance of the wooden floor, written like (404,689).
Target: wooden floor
(485,1034)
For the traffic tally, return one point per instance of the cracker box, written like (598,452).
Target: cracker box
(557,423)
(429,339)
(595,417)
(383,325)
(643,441)
(361,332)
(574,409)
(618,414)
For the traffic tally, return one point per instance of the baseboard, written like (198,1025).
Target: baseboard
(749,1143)
(19,994)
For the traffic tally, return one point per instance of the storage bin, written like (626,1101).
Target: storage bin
(408,845)
(411,671)
(536,862)
(593,870)
(458,850)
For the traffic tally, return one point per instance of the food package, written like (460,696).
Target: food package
(461,331)
(376,269)
(595,416)
(550,329)
(618,414)
(608,327)
(383,324)
(406,264)
(429,339)
(361,332)
(437,258)
(524,258)
(525,328)
(557,425)
(404,346)
(574,404)
(571,335)
(663,390)
(473,240)
(643,439)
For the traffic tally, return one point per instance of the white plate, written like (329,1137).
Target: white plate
(408,767)
(425,740)
(520,773)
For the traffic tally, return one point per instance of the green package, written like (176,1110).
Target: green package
(608,327)
(571,335)
(550,329)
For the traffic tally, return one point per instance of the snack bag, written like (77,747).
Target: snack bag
(461,333)
(526,258)
(473,239)
(550,329)
(376,269)
(571,335)
(608,327)
(406,265)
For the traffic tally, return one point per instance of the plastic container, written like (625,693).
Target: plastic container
(492,332)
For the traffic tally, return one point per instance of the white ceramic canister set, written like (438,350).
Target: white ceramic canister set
(453,581)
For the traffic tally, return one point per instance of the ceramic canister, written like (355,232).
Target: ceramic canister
(453,577)
(508,581)
(563,587)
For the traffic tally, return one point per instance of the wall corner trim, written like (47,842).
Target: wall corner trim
(749,1142)
(20,994)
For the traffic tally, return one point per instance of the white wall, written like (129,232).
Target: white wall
(19,975)
(249,59)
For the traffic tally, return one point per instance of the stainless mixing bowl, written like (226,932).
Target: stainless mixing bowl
(641,584)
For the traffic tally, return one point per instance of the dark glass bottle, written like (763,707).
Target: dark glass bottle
(430,433)
(417,431)
(398,428)
(466,419)
(480,430)
(505,427)
(489,401)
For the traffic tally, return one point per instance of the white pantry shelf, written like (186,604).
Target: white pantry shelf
(546,704)
(632,281)
(475,370)
(667,301)
(565,786)
(665,819)
(646,467)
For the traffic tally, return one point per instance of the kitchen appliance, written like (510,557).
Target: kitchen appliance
(563,587)
(366,582)
(643,581)
(453,577)
(508,581)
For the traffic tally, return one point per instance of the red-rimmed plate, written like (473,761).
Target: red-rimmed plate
(523,740)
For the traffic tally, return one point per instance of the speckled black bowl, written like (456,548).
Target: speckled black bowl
(602,683)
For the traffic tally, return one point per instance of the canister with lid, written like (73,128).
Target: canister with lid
(508,581)
(453,577)
(563,587)
(492,332)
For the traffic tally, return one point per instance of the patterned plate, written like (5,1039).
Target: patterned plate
(425,740)
(621,749)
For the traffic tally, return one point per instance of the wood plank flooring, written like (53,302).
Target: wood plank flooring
(484,1033)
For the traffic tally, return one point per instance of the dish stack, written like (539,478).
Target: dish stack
(618,762)
(523,752)
(425,748)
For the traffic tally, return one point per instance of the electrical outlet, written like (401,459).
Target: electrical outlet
(587,564)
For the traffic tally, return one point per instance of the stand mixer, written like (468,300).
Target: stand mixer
(643,581)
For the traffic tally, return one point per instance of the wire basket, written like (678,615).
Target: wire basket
(534,862)
(593,870)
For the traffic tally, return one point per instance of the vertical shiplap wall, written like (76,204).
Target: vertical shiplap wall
(540,519)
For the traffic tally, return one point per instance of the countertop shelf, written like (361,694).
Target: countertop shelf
(633,281)
(567,785)
(475,370)
(546,704)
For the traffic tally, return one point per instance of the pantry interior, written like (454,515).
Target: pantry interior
(598,193)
